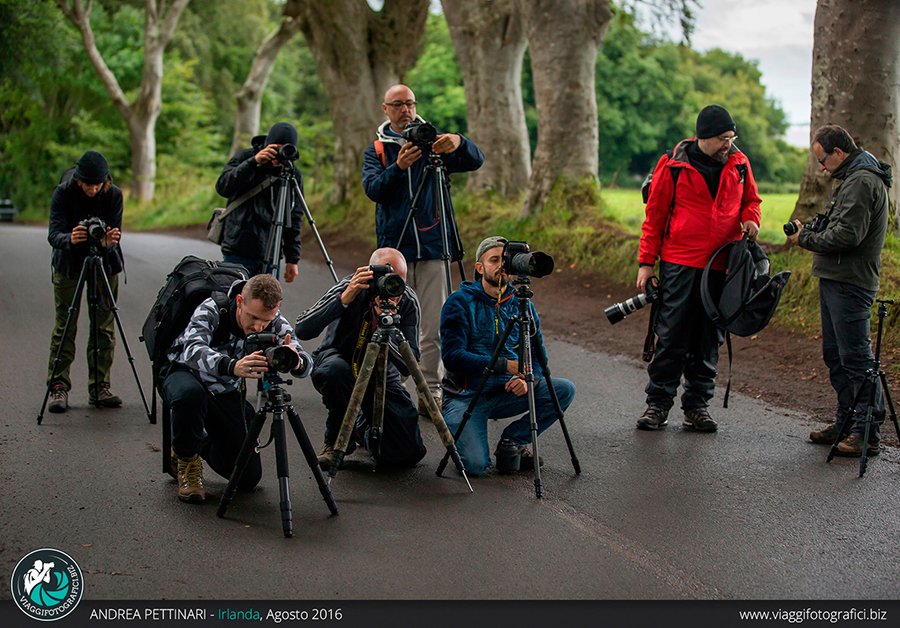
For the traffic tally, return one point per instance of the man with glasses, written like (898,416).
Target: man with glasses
(703,196)
(392,172)
(847,261)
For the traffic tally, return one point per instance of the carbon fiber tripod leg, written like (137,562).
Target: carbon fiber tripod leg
(243,458)
(560,415)
(356,398)
(310,454)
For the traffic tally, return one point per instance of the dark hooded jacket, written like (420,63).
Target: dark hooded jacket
(69,206)
(849,248)
(246,231)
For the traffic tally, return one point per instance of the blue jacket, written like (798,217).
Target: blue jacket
(472,323)
(393,189)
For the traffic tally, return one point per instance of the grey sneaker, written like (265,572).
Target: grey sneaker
(59,399)
(102,397)
(653,418)
(698,419)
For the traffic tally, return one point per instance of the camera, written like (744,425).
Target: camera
(518,259)
(96,228)
(617,311)
(279,358)
(287,152)
(816,225)
(422,134)
(386,283)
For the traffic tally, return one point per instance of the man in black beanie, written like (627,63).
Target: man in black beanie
(250,182)
(702,196)
(85,191)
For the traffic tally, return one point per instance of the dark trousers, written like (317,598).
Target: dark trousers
(254,266)
(847,350)
(213,426)
(688,341)
(401,442)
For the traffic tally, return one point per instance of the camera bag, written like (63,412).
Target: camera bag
(216,224)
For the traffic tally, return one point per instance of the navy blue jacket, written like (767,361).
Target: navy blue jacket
(392,189)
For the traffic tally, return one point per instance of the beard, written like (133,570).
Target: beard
(721,157)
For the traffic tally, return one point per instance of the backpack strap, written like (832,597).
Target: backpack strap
(222,331)
(379,150)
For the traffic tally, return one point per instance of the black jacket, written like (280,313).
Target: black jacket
(69,206)
(247,227)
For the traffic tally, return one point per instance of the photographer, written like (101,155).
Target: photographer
(702,196)
(472,321)
(348,310)
(392,171)
(203,385)
(85,192)
(847,259)
(246,230)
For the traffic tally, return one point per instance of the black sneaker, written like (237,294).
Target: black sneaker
(826,436)
(59,399)
(653,418)
(698,419)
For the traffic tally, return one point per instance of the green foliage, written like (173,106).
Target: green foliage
(437,80)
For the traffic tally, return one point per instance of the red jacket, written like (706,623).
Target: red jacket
(697,226)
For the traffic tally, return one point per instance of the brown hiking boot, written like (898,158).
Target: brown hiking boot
(698,419)
(59,399)
(190,479)
(653,418)
(325,457)
(826,436)
(527,463)
(851,447)
(102,397)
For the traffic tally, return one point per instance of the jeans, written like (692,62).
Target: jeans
(498,404)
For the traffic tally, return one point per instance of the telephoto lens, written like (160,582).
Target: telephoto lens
(618,311)
(790,228)
(508,457)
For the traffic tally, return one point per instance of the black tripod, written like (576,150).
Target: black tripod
(288,182)
(874,374)
(526,324)
(376,359)
(91,272)
(437,173)
(277,404)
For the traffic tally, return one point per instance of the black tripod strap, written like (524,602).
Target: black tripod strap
(728,387)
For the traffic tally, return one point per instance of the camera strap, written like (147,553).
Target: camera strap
(240,200)
(650,340)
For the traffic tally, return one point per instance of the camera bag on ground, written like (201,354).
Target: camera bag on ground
(748,296)
(216,224)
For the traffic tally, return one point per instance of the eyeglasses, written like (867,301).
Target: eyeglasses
(727,140)
(399,104)
(822,160)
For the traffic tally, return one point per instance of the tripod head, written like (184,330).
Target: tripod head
(389,317)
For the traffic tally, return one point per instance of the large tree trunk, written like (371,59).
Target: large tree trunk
(564,38)
(140,116)
(359,53)
(489,38)
(249,98)
(856,84)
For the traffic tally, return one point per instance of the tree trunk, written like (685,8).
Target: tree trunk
(359,53)
(140,116)
(490,43)
(564,38)
(249,98)
(856,84)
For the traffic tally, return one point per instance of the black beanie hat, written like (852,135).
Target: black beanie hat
(281,133)
(91,168)
(712,121)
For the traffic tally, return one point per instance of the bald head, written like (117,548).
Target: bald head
(390,256)
(399,106)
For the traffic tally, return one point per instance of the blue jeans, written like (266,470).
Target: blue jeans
(499,404)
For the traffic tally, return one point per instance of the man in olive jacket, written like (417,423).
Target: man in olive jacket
(847,259)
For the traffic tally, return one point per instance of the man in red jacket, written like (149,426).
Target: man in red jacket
(703,195)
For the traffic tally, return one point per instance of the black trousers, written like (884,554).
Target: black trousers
(213,426)
(401,442)
(688,341)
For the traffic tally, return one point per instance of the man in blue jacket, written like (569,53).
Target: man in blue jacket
(472,321)
(392,172)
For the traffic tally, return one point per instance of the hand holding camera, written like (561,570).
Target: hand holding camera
(264,354)
(96,231)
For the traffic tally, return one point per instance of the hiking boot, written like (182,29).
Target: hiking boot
(826,436)
(190,479)
(59,399)
(851,447)
(527,463)
(103,397)
(325,457)
(653,418)
(698,419)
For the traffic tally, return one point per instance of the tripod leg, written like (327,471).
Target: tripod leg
(846,424)
(870,410)
(356,397)
(310,454)
(93,315)
(243,458)
(525,352)
(545,368)
(889,402)
(377,430)
(312,224)
(282,472)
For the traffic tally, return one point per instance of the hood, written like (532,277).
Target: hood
(863,160)
(385,128)
(476,290)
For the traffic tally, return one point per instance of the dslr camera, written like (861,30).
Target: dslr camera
(96,228)
(422,134)
(385,282)
(279,358)
(816,225)
(618,311)
(518,259)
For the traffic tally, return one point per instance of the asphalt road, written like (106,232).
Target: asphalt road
(752,512)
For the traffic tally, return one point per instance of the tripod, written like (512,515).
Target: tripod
(375,359)
(288,181)
(437,173)
(277,405)
(91,270)
(874,374)
(525,321)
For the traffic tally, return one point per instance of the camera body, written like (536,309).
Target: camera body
(618,311)
(818,224)
(518,259)
(422,134)
(96,228)
(385,282)
(279,358)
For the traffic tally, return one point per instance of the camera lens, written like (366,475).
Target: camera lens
(390,285)
(288,152)
(283,359)
(790,228)
(535,264)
